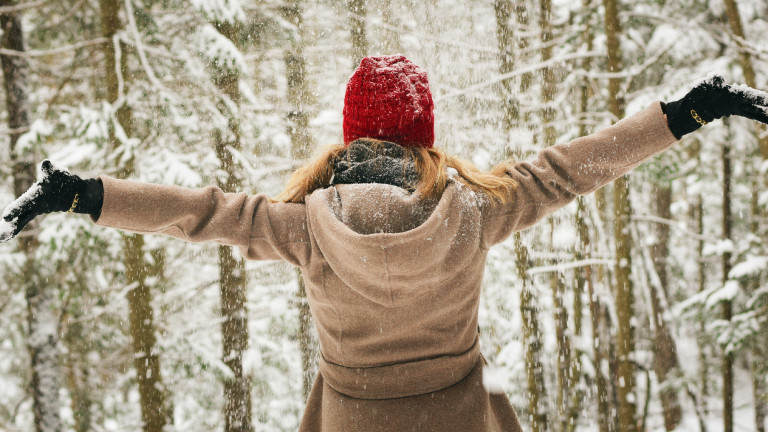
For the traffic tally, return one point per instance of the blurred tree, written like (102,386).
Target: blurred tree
(77,342)
(697,214)
(727,305)
(624,292)
(155,411)
(758,368)
(232,277)
(43,339)
(391,42)
(532,338)
(564,364)
(586,275)
(299,98)
(745,61)
(357,15)
(665,362)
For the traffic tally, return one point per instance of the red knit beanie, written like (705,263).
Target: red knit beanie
(388,98)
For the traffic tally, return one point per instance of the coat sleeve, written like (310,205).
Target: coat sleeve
(262,229)
(562,172)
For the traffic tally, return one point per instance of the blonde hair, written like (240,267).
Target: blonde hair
(431,166)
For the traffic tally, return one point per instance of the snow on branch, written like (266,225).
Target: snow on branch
(568,266)
(229,11)
(220,51)
(751,266)
(727,292)
(671,223)
(66,16)
(140,48)
(719,248)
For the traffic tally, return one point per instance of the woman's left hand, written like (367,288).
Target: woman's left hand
(711,99)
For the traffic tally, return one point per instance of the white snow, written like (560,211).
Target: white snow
(229,11)
(6,230)
(219,50)
(751,266)
(720,247)
(74,153)
(31,193)
(37,130)
(461,57)
(709,78)
(493,380)
(757,97)
(564,236)
(727,293)
(7,227)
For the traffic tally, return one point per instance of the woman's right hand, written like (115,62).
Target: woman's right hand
(59,190)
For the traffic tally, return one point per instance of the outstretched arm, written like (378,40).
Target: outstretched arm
(260,228)
(562,172)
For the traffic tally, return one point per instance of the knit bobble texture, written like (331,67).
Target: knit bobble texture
(388,98)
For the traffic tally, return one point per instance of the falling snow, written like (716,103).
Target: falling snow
(83,340)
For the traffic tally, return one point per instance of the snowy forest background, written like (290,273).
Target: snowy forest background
(639,308)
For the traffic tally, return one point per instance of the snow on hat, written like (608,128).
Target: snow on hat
(388,98)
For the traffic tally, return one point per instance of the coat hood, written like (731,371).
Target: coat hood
(389,245)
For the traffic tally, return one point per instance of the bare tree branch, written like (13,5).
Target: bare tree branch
(22,6)
(60,50)
(66,16)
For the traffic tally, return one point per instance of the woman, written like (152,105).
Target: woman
(392,236)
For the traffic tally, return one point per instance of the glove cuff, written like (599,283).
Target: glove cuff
(90,198)
(681,119)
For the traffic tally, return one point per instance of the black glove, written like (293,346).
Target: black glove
(59,190)
(712,99)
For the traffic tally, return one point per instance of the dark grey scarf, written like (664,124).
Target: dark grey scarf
(372,161)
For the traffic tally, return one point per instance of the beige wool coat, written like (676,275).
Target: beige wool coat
(393,281)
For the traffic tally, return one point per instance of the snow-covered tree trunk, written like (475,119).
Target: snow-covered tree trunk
(665,362)
(43,350)
(585,250)
(727,306)
(357,10)
(232,277)
(747,68)
(760,393)
(624,292)
(507,51)
(299,98)
(146,361)
(548,84)
(703,340)
(532,338)
(42,320)
(391,42)
(564,362)
(533,342)
(155,412)
(79,383)
(757,365)
(589,275)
